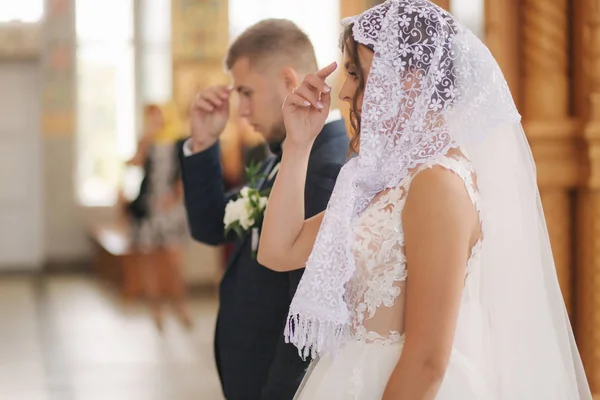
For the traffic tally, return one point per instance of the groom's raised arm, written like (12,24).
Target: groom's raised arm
(205,197)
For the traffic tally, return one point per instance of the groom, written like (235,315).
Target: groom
(266,62)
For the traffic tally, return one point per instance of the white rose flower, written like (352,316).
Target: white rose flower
(262,202)
(245,221)
(229,217)
(241,209)
(234,210)
(245,192)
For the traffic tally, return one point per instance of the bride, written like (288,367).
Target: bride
(430,274)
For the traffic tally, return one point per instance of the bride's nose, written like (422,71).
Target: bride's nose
(346,94)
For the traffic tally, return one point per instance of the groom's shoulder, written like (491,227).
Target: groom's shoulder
(331,145)
(329,151)
(335,130)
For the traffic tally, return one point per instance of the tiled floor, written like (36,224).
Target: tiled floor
(69,338)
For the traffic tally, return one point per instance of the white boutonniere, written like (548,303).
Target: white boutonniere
(246,212)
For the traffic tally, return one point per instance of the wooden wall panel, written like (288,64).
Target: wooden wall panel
(587,106)
(551,132)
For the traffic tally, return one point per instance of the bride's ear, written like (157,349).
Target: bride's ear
(290,78)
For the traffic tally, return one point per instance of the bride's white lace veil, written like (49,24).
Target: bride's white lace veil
(434,86)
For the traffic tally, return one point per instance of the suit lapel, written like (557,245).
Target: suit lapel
(261,184)
(267,170)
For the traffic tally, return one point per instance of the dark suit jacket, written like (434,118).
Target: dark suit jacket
(252,358)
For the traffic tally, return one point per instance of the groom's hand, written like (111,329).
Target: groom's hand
(208,116)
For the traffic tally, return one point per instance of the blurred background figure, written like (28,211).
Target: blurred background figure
(157,215)
(75,76)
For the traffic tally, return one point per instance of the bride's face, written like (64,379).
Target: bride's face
(357,64)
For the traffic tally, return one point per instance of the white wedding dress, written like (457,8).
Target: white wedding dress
(376,295)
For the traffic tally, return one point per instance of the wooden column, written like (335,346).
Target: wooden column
(200,37)
(588,288)
(545,36)
(502,38)
(551,132)
(200,41)
(349,8)
(445,4)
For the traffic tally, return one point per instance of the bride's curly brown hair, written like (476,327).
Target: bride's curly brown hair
(350,46)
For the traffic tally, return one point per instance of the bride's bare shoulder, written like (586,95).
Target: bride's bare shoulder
(445,177)
(438,194)
(437,184)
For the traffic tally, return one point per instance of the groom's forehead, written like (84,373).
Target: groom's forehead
(244,75)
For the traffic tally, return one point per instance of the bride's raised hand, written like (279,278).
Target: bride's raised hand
(306,108)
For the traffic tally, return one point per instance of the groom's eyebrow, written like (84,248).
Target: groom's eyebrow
(243,89)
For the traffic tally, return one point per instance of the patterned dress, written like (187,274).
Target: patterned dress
(160,228)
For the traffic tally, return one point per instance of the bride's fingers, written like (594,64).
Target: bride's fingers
(316,83)
(314,88)
(316,91)
(326,100)
(294,99)
(309,94)
(328,70)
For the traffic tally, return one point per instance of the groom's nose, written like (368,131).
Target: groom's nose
(244,108)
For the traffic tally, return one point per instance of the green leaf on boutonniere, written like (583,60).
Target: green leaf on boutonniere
(236,228)
(252,174)
(252,168)
(253,203)
(228,229)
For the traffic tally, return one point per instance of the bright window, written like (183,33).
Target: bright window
(470,13)
(112,50)
(21,10)
(155,51)
(105,96)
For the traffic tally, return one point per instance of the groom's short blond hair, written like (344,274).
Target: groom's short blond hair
(273,41)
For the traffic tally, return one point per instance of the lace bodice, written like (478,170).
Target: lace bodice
(376,292)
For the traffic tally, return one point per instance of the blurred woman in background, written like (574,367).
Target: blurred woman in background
(157,215)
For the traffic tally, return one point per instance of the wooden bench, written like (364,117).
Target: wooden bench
(116,261)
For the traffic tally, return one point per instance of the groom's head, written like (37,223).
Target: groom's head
(266,62)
